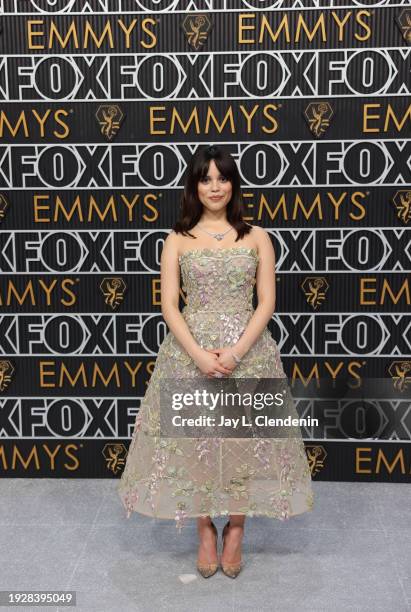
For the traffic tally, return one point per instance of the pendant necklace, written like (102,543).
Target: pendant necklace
(216,235)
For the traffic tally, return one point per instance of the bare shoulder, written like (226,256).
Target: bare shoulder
(257,230)
(173,239)
(171,244)
(261,236)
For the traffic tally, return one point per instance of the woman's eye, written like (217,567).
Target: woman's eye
(205,179)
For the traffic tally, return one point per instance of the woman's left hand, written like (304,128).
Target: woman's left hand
(225,357)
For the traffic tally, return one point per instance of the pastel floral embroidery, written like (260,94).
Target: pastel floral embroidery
(179,478)
(236,279)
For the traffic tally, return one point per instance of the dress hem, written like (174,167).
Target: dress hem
(219,514)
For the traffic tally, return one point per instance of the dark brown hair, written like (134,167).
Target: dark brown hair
(190,206)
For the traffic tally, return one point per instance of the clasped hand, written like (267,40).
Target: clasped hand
(217,360)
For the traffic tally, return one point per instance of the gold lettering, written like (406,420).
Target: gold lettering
(282,26)
(61,209)
(76,463)
(62,123)
(405,288)
(130,205)
(270,117)
(360,459)
(18,458)
(358,205)
(28,295)
(31,34)
(153,119)
(367,117)
(310,35)
(63,43)
(340,23)
(381,458)
(127,31)
(52,454)
(133,372)
(13,131)
(364,290)
(248,27)
(60,374)
(90,210)
(90,32)
(220,127)
(248,116)
(282,208)
(41,120)
(13,292)
(389,115)
(33,460)
(99,376)
(155,216)
(156,116)
(48,289)
(242,26)
(35,30)
(175,117)
(386,289)
(102,214)
(68,282)
(364,25)
(149,33)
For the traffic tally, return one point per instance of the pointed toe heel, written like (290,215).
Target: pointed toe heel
(230,569)
(208,569)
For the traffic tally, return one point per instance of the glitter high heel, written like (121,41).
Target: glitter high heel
(209,569)
(230,569)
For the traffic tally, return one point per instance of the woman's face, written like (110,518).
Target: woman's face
(214,190)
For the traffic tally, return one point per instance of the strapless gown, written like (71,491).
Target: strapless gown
(180,478)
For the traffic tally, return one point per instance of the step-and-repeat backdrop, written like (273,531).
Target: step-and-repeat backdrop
(103,102)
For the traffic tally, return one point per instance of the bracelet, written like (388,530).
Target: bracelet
(237,359)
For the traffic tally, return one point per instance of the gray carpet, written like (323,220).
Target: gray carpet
(353,552)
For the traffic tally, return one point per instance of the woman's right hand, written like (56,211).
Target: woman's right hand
(208,363)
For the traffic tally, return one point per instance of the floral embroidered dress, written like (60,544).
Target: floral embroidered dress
(178,478)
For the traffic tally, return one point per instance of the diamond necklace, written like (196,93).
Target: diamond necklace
(216,235)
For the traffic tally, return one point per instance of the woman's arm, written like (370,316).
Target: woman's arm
(170,293)
(265,279)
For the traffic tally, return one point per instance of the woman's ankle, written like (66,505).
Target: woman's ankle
(204,523)
(237,521)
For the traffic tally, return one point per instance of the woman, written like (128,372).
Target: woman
(217,334)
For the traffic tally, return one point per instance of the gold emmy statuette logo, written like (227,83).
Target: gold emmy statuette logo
(196,29)
(315,288)
(398,371)
(402,202)
(318,116)
(113,290)
(404,23)
(3,205)
(109,117)
(115,456)
(6,372)
(316,456)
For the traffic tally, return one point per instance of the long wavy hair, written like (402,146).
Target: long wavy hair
(190,206)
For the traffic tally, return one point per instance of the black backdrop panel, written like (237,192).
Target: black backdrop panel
(102,104)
